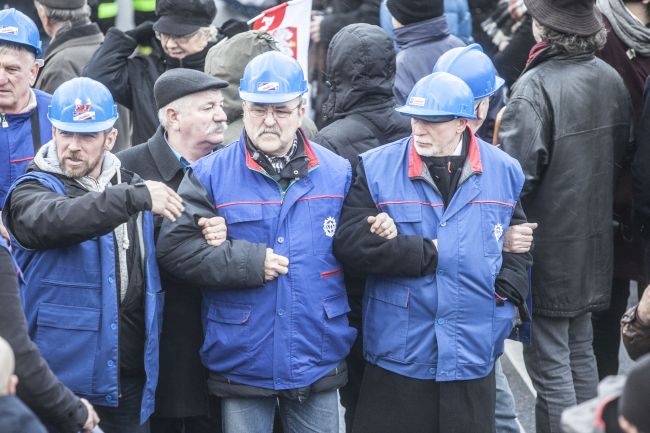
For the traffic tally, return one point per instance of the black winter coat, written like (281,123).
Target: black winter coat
(182,382)
(131,78)
(360,108)
(345,12)
(38,387)
(568,124)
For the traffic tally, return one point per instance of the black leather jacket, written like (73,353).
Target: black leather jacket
(568,124)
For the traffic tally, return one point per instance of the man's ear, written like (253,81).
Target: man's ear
(109,141)
(173,121)
(13,383)
(33,73)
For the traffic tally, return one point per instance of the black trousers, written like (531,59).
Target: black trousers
(390,403)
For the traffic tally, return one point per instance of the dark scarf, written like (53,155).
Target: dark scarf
(282,169)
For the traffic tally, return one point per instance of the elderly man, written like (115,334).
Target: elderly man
(569,135)
(274,300)
(192,123)
(23,112)
(440,297)
(85,243)
(184,35)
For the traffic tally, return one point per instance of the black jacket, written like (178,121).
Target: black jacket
(182,380)
(641,175)
(360,108)
(37,386)
(15,417)
(344,12)
(131,78)
(568,124)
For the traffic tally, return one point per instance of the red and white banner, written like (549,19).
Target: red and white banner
(288,23)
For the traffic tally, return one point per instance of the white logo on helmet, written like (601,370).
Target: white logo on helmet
(417,101)
(271,86)
(329,226)
(82,111)
(11,30)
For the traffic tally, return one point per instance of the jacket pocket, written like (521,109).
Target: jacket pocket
(495,220)
(227,337)
(385,322)
(336,330)
(67,337)
(324,218)
(407,217)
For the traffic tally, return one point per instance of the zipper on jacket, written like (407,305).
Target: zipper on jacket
(3,119)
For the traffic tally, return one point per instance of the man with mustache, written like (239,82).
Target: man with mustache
(192,123)
(274,301)
(83,236)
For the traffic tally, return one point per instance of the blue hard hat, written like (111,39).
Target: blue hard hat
(474,67)
(272,78)
(82,105)
(17,28)
(439,95)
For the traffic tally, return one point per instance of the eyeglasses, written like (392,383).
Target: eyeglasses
(276,112)
(181,40)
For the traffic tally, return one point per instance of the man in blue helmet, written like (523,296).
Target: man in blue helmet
(440,296)
(274,301)
(83,238)
(23,111)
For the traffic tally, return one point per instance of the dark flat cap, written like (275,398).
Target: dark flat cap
(63,4)
(179,82)
(182,17)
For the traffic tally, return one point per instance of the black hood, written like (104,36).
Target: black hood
(360,69)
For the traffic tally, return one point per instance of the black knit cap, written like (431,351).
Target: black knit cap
(179,82)
(413,11)
(574,17)
(63,4)
(635,399)
(182,17)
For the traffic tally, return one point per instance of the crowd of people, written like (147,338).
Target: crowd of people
(199,236)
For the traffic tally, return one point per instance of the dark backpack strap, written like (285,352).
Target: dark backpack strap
(36,130)
(364,120)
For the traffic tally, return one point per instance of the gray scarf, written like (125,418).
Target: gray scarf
(628,28)
(47,160)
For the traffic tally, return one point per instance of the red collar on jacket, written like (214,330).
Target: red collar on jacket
(309,152)
(473,156)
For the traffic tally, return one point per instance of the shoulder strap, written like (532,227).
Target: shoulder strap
(364,120)
(36,130)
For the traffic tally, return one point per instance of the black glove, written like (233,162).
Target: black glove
(142,33)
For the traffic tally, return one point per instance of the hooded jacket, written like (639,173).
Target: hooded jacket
(360,108)
(569,135)
(131,78)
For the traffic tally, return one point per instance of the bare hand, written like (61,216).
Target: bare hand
(382,225)
(93,418)
(643,310)
(164,201)
(274,265)
(519,238)
(214,230)
(435,242)
(314,28)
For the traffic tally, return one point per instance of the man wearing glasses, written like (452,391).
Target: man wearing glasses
(274,301)
(180,38)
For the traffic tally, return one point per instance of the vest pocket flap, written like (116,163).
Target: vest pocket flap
(336,306)
(404,212)
(394,295)
(234,314)
(241,212)
(68,317)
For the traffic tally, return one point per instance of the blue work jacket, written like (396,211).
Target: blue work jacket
(17,142)
(70,301)
(293,330)
(444,326)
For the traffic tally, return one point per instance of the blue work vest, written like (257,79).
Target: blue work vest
(293,330)
(16,141)
(70,300)
(445,326)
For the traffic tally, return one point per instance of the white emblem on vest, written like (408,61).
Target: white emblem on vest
(497,231)
(329,226)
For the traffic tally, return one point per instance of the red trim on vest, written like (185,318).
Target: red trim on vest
(425,203)
(415,162)
(331,273)
(14,161)
(316,197)
(219,206)
(500,203)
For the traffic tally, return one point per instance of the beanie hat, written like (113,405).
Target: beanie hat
(63,4)
(182,17)
(635,399)
(413,11)
(179,82)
